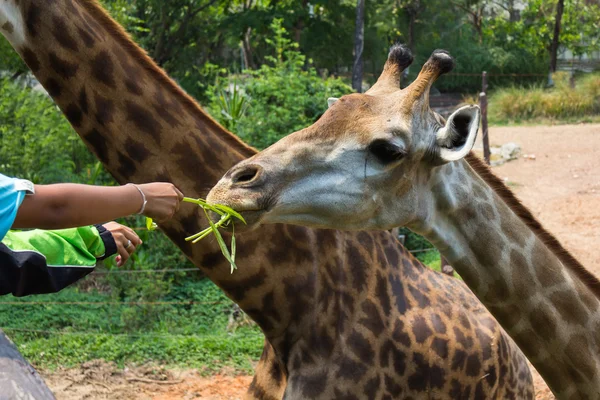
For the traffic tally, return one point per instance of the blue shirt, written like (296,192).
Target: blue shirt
(12,193)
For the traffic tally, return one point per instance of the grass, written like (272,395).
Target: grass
(208,353)
(537,105)
(188,335)
(560,103)
(431,259)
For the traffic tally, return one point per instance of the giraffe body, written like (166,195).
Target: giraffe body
(344,314)
(384,159)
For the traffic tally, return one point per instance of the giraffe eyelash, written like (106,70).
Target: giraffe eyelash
(385,151)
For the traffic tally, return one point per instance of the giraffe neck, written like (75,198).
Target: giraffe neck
(549,312)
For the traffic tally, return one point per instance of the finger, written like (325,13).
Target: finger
(131,235)
(124,257)
(131,249)
(128,230)
(121,241)
(124,254)
(127,243)
(118,260)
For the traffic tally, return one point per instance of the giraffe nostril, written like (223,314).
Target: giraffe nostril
(246,174)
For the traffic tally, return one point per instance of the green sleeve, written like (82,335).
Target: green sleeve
(64,247)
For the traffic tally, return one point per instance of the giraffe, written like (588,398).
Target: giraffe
(384,159)
(350,315)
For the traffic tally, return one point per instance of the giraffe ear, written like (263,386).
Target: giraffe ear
(331,100)
(456,139)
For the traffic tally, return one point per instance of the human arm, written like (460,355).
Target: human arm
(69,205)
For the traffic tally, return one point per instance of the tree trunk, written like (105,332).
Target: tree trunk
(514,15)
(359,42)
(18,379)
(412,18)
(478,24)
(560,6)
(299,25)
(247,48)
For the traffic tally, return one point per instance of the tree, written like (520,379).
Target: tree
(560,6)
(283,95)
(359,45)
(413,8)
(475,10)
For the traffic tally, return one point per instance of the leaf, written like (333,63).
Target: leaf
(221,242)
(233,248)
(218,208)
(150,225)
(207,230)
(202,236)
(230,211)
(226,214)
(203,204)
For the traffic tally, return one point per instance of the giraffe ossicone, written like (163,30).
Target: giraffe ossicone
(384,159)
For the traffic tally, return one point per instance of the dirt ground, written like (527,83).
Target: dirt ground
(561,186)
(98,380)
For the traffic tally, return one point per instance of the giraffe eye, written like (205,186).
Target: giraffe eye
(385,151)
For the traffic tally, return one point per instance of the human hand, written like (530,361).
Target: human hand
(163,200)
(126,240)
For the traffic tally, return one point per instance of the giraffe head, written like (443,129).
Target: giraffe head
(364,164)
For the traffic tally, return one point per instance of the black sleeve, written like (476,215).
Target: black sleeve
(110,247)
(24,273)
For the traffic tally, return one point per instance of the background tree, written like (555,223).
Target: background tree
(560,7)
(412,10)
(359,44)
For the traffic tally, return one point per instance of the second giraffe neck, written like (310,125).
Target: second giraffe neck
(549,312)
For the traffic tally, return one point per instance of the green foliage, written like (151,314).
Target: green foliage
(209,353)
(283,96)
(37,143)
(473,59)
(233,104)
(535,29)
(431,259)
(516,104)
(413,241)
(192,335)
(10,63)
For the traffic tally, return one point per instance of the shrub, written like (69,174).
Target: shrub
(37,142)
(283,96)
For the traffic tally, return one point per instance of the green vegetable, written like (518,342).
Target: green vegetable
(226,214)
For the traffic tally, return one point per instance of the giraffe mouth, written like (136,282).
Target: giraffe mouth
(252,217)
(251,204)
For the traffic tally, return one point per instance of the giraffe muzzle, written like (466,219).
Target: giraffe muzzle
(242,188)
